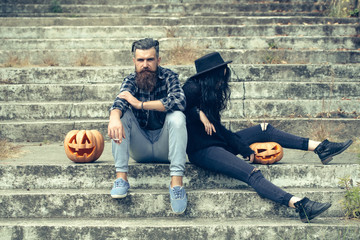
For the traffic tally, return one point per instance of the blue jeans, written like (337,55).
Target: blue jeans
(165,145)
(222,161)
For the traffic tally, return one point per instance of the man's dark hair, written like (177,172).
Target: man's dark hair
(145,44)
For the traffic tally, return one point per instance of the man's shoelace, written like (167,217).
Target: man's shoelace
(120,184)
(177,192)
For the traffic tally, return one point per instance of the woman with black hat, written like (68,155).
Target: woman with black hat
(213,147)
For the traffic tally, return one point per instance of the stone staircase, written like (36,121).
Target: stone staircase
(63,63)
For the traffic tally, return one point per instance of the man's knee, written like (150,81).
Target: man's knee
(176,119)
(127,115)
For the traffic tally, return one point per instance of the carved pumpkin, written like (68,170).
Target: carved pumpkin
(267,152)
(83,146)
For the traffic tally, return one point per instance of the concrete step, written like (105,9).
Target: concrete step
(166,20)
(45,166)
(172,228)
(214,203)
(276,13)
(87,32)
(258,108)
(275,42)
(95,57)
(90,93)
(135,2)
(253,108)
(320,73)
(173,8)
(55,130)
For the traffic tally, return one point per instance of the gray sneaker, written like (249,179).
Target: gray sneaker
(120,188)
(178,199)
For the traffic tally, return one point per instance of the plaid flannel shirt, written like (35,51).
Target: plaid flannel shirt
(167,90)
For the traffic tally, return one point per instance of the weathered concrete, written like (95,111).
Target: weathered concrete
(173,8)
(165,20)
(135,2)
(37,93)
(173,228)
(276,42)
(55,130)
(45,166)
(79,32)
(120,57)
(214,203)
(249,107)
(330,73)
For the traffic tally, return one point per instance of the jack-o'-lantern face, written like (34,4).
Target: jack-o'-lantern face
(267,152)
(84,145)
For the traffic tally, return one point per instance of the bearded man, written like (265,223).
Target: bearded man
(147,122)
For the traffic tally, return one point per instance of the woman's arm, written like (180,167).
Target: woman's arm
(192,93)
(236,142)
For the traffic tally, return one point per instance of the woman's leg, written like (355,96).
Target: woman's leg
(220,160)
(267,133)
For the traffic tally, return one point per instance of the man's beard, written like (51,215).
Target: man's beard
(146,80)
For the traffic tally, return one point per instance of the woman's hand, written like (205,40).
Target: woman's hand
(251,158)
(209,127)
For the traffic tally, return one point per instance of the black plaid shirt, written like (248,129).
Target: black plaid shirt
(167,90)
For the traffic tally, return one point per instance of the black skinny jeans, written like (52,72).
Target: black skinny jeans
(222,161)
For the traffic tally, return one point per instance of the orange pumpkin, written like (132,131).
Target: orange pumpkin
(267,152)
(83,146)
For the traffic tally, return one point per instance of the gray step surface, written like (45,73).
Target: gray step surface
(46,166)
(211,203)
(240,72)
(166,20)
(173,8)
(67,93)
(122,57)
(172,228)
(55,130)
(43,183)
(134,2)
(254,108)
(276,42)
(71,32)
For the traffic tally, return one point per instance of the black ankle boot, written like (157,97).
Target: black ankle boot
(308,209)
(326,150)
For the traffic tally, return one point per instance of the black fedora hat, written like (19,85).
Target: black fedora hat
(209,62)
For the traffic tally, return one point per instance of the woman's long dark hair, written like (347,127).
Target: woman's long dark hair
(215,92)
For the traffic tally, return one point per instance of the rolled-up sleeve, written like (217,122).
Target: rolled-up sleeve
(175,99)
(121,104)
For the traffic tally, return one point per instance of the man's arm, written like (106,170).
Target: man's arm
(115,127)
(175,99)
(150,105)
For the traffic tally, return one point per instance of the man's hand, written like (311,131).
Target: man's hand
(209,127)
(130,99)
(115,128)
